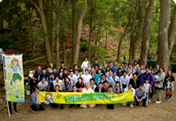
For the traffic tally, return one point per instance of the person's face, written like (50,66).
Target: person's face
(43,81)
(91,82)
(130,66)
(70,69)
(65,71)
(54,70)
(161,70)
(44,71)
(92,70)
(39,68)
(128,70)
(126,64)
(147,70)
(121,67)
(104,63)
(115,63)
(146,81)
(87,86)
(157,66)
(96,61)
(114,74)
(170,73)
(142,67)
(36,90)
(88,64)
(134,77)
(62,64)
(67,80)
(110,71)
(105,84)
(111,64)
(110,88)
(140,87)
(138,69)
(57,79)
(129,86)
(51,65)
(135,63)
(124,74)
(99,71)
(100,86)
(56,88)
(87,72)
(48,69)
(71,73)
(76,66)
(61,70)
(33,71)
(80,73)
(77,72)
(103,77)
(74,89)
(26,78)
(85,59)
(117,84)
(79,80)
(51,76)
(100,67)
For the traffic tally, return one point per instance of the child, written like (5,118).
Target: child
(110,106)
(147,88)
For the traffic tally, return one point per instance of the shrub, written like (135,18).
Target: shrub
(98,51)
(84,46)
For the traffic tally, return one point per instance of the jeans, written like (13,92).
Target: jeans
(36,107)
(147,96)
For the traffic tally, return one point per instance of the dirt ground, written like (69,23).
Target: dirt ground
(153,112)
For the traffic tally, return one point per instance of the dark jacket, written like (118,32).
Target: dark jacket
(97,89)
(133,84)
(138,75)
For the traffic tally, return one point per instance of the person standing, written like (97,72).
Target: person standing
(72,78)
(169,80)
(124,58)
(96,63)
(62,66)
(58,82)
(125,66)
(110,90)
(88,67)
(44,74)
(147,75)
(43,85)
(104,66)
(50,81)
(138,73)
(55,73)
(140,95)
(147,88)
(39,73)
(87,77)
(84,65)
(159,85)
(134,81)
(114,79)
(124,80)
(87,89)
(35,104)
(112,67)
(97,77)
(99,88)
(67,85)
(115,66)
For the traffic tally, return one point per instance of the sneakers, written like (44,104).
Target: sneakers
(169,99)
(15,112)
(33,111)
(157,102)
(146,102)
(131,105)
(144,106)
(149,101)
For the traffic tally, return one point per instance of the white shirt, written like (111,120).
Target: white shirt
(89,90)
(58,83)
(42,86)
(93,87)
(84,65)
(124,81)
(126,89)
(87,78)
(73,79)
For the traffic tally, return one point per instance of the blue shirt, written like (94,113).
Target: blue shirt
(93,75)
(16,69)
(49,80)
(119,75)
(125,68)
(132,71)
(156,70)
(108,76)
(113,69)
(97,78)
(116,67)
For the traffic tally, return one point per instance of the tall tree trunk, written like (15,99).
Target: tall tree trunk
(146,34)
(106,39)
(120,43)
(77,47)
(163,34)
(73,27)
(90,31)
(50,25)
(64,52)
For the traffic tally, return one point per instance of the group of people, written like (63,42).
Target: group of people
(102,78)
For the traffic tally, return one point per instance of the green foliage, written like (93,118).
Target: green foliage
(84,46)
(98,51)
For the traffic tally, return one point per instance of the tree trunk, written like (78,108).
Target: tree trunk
(50,25)
(77,47)
(163,34)
(172,33)
(106,39)
(90,31)
(146,34)
(64,52)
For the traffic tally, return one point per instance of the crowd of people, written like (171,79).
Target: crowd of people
(102,78)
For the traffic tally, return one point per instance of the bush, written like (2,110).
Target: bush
(84,46)
(98,51)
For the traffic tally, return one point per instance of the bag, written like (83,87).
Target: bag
(27,93)
(169,92)
(150,90)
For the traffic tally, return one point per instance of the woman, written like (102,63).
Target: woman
(65,74)
(169,81)
(129,74)
(107,70)
(89,67)
(97,76)
(80,84)
(61,70)
(119,72)
(121,67)
(67,85)
(75,67)
(159,84)
(33,80)
(117,89)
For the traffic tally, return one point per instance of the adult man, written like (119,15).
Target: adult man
(114,79)
(87,89)
(87,77)
(104,66)
(124,80)
(157,68)
(140,95)
(77,73)
(92,73)
(112,67)
(38,73)
(133,70)
(55,73)
(43,85)
(147,75)
(51,67)
(105,86)
(35,104)
(58,82)
(115,66)
(92,84)
(44,74)
(126,89)
(72,78)
(101,68)
(96,63)
(50,81)
(134,81)
(138,73)
(142,69)
(84,65)
(109,75)
(125,66)
(99,88)
(62,65)
(102,79)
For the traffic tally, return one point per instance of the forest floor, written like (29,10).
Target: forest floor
(153,112)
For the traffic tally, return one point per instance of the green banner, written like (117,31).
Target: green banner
(14,78)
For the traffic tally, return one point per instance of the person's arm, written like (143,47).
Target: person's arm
(82,65)
(121,82)
(144,96)
(33,99)
(151,79)
(142,78)
(136,95)
(160,78)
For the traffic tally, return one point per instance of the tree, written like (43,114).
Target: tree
(146,34)
(163,56)
(78,35)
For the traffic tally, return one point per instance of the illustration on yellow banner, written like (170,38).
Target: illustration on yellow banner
(84,98)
